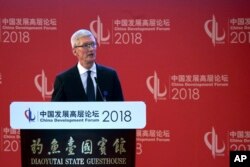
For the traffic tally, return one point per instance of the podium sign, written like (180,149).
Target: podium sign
(77,115)
(78,133)
(46,148)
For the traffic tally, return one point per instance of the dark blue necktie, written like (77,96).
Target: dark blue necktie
(90,88)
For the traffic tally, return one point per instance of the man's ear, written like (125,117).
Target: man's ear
(74,51)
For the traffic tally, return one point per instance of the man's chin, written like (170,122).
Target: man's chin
(91,62)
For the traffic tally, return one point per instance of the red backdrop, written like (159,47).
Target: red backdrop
(188,61)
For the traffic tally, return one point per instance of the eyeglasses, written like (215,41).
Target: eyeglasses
(87,45)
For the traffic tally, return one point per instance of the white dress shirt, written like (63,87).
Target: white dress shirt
(83,73)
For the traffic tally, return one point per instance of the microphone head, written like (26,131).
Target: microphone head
(105,93)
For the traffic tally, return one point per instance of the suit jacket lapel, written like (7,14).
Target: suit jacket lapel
(101,82)
(79,85)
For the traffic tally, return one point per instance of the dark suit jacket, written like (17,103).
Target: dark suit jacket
(68,85)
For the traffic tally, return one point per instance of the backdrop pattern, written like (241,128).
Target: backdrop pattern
(187,60)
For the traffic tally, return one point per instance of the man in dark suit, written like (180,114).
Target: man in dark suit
(71,85)
(86,81)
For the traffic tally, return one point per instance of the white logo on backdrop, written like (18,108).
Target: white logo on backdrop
(96,27)
(155,88)
(211,141)
(212,30)
(41,84)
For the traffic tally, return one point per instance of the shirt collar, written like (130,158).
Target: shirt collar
(82,70)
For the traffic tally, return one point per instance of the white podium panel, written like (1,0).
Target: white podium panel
(77,115)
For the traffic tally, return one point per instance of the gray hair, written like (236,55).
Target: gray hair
(79,34)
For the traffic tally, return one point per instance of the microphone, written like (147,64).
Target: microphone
(99,90)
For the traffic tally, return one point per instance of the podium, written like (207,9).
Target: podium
(78,133)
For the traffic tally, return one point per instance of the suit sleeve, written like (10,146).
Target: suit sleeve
(118,94)
(58,94)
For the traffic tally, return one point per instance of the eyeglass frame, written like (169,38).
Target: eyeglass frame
(87,45)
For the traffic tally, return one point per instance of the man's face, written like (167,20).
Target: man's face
(85,51)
